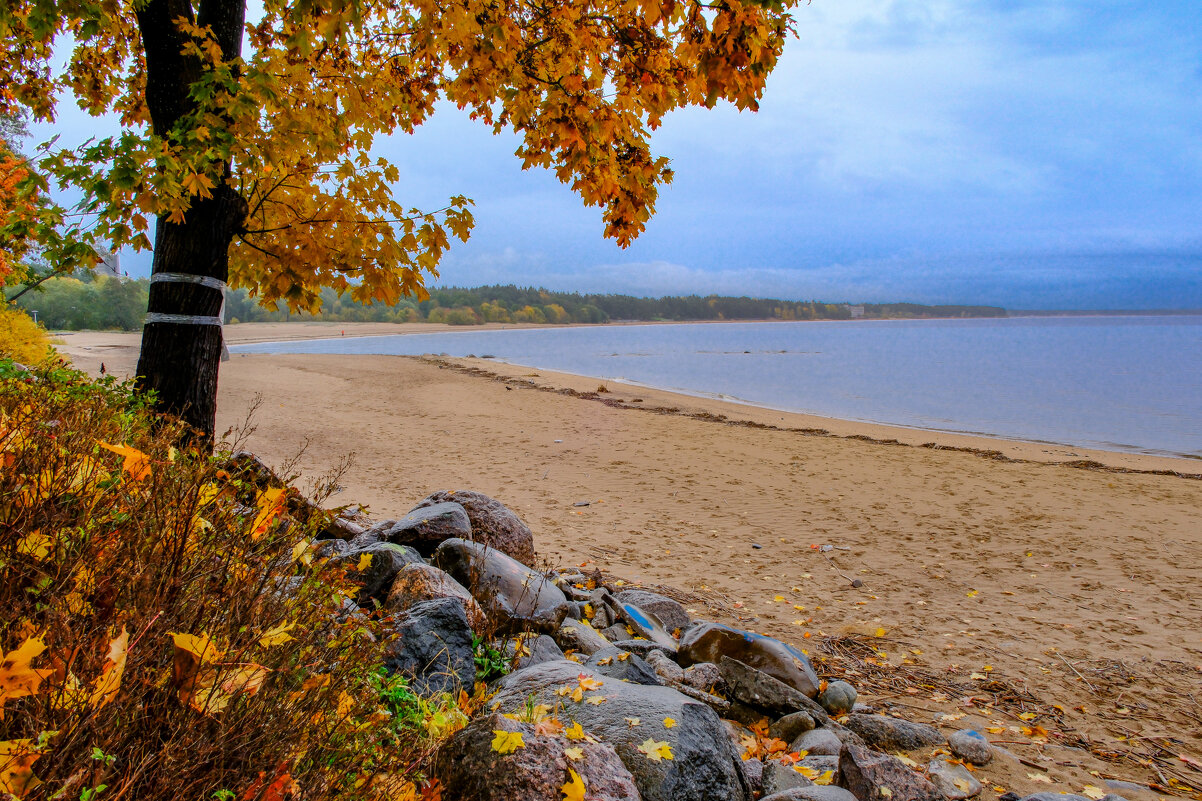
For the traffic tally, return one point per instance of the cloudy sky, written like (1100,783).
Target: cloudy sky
(1028,153)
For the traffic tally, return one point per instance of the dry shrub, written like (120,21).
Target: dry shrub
(193,648)
(21,339)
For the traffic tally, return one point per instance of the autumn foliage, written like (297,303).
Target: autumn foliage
(167,632)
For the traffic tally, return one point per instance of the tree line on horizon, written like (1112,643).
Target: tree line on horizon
(103,302)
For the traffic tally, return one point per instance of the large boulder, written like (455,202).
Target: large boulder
(469,769)
(709,642)
(427,528)
(703,764)
(866,773)
(622,665)
(493,523)
(374,567)
(670,613)
(433,647)
(421,582)
(893,734)
(513,596)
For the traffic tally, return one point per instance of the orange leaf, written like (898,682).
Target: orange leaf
(136,463)
(109,681)
(17,678)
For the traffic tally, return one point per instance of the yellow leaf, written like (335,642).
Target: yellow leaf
(1039,777)
(978,676)
(270,504)
(277,635)
(973,593)
(1027,716)
(574,754)
(136,463)
(109,682)
(595,700)
(880,632)
(576,732)
(669,723)
(656,750)
(506,742)
(827,777)
(587,682)
(574,789)
(37,546)
(16,766)
(1094,792)
(17,678)
(364,562)
(778,598)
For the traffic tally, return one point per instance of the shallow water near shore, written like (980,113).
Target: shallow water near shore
(1112,383)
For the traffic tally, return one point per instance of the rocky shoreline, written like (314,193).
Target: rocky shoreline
(618,692)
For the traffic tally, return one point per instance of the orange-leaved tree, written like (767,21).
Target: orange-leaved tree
(249,142)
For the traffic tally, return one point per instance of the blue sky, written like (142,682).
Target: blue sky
(1028,153)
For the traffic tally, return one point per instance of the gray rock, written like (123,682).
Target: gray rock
(1112,797)
(492,522)
(622,665)
(753,771)
(665,667)
(703,676)
(791,726)
(838,698)
(892,734)
(537,650)
(513,596)
(376,577)
(822,764)
(433,647)
(324,549)
(670,613)
(428,527)
(953,781)
(708,642)
(818,742)
(865,773)
(419,582)
(579,636)
(704,766)
(617,632)
(815,793)
(757,689)
(640,647)
(646,626)
(469,770)
(971,746)
(778,777)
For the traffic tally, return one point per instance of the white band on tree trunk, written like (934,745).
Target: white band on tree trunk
(181,319)
(185,278)
(187,319)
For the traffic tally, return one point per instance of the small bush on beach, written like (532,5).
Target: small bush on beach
(167,632)
(21,339)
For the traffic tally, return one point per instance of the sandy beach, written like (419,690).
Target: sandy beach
(998,578)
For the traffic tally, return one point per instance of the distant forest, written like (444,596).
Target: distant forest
(99,302)
(512,304)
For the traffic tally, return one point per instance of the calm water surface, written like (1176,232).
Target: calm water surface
(1116,383)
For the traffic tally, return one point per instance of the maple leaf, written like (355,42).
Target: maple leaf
(109,682)
(574,789)
(548,726)
(506,742)
(656,750)
(587,682)
(270,503)
(36,546)
(134,462)
(575,754)
(277,635)
(576,732)
(206,685)
(669,723)
(17,678)
(364,562)
(16,766)
(595,700)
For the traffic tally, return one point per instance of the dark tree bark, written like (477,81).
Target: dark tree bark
(179,360)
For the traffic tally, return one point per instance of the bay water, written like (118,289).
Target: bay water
(1127,383)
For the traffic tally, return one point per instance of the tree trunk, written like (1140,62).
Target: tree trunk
(179,358)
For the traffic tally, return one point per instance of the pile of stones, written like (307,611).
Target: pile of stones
(621,687)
